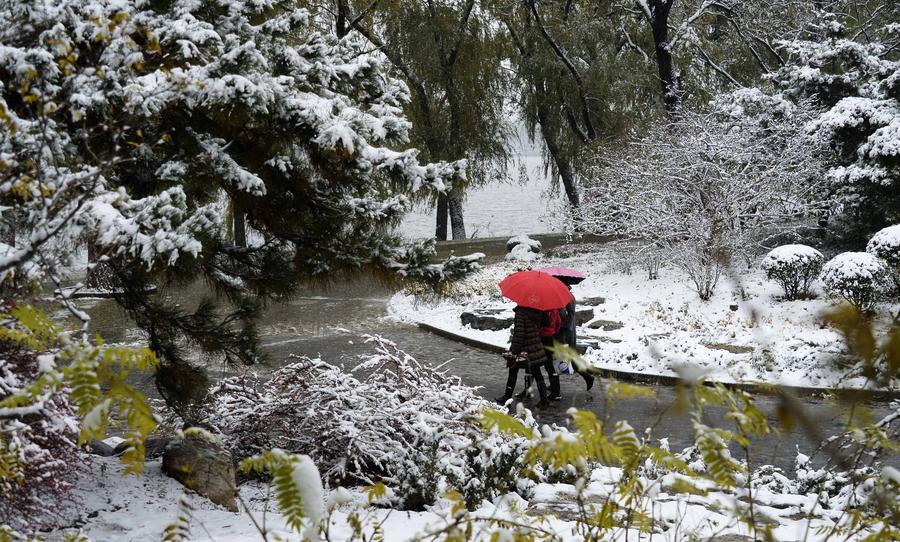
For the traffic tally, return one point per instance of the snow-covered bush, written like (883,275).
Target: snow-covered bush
(886,245)
(794,267)
(854,276)
(490,466)
(39,455)
(357,425)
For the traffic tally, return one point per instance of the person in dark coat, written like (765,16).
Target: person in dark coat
(549,336)
(567,335)
(526,351)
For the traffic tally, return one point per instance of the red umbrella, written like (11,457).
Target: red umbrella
(565,274)
(536,289)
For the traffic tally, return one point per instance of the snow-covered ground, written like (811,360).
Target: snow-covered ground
(665,326)
(113,506)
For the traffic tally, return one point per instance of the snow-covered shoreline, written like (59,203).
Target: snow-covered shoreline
(744,334)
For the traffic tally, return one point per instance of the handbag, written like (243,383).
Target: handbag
(562,367)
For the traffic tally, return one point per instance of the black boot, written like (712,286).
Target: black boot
(555,394)
(542,389)
(510,386)
(588,380)
(524,392)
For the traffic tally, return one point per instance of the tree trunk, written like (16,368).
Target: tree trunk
(340,23)
(457,224)
(668,75)
(440,230)
(100,275)
(562,164)
(239,227)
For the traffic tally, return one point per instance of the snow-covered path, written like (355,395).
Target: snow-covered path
(330,323)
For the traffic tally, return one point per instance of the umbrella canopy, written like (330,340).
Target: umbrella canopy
(536,289)
(565,274)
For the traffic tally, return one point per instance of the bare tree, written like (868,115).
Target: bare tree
(706,190)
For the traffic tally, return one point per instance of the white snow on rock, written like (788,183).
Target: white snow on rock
(522,253)
(533,244)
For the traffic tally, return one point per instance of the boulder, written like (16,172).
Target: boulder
(733,348)
(533,245)
(485,320)
(606,325)
(153,447)
(204,466)
(592,301)
(583,316)
(98,447)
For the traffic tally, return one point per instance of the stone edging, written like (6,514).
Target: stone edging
(666,380)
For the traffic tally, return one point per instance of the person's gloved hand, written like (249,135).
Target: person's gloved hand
(509,357)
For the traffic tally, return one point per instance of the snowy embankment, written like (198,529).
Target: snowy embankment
(745,333)
(113,506)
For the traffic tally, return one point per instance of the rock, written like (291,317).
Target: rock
(733,307)
(98,447)
(606,325)
(595,342)
(204,466)
(484,321)
(153,447)
(592,301)
(733,348)
(583,316)
(533,244)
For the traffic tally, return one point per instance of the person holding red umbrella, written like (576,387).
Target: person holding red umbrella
(535,293)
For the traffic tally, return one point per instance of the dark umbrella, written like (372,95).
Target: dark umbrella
(565,274)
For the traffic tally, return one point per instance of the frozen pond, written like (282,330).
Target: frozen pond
(500,208)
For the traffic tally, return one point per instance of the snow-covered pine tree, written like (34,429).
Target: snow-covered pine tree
(127,125)
(855,78)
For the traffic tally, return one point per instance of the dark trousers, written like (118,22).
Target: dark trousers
(531,371)
(548,366)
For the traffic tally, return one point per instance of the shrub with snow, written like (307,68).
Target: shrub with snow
(854,276)
(360,425)
(39,456)
(794,267)
(886,245)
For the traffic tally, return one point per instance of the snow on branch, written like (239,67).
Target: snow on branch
(707,189)
(356,424)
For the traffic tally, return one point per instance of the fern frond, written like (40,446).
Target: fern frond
(180,529)
(297,487)
(713,446)
(491,419)
(623,390)
(626,440)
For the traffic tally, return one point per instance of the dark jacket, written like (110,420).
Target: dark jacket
(525,343)
(566,334)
